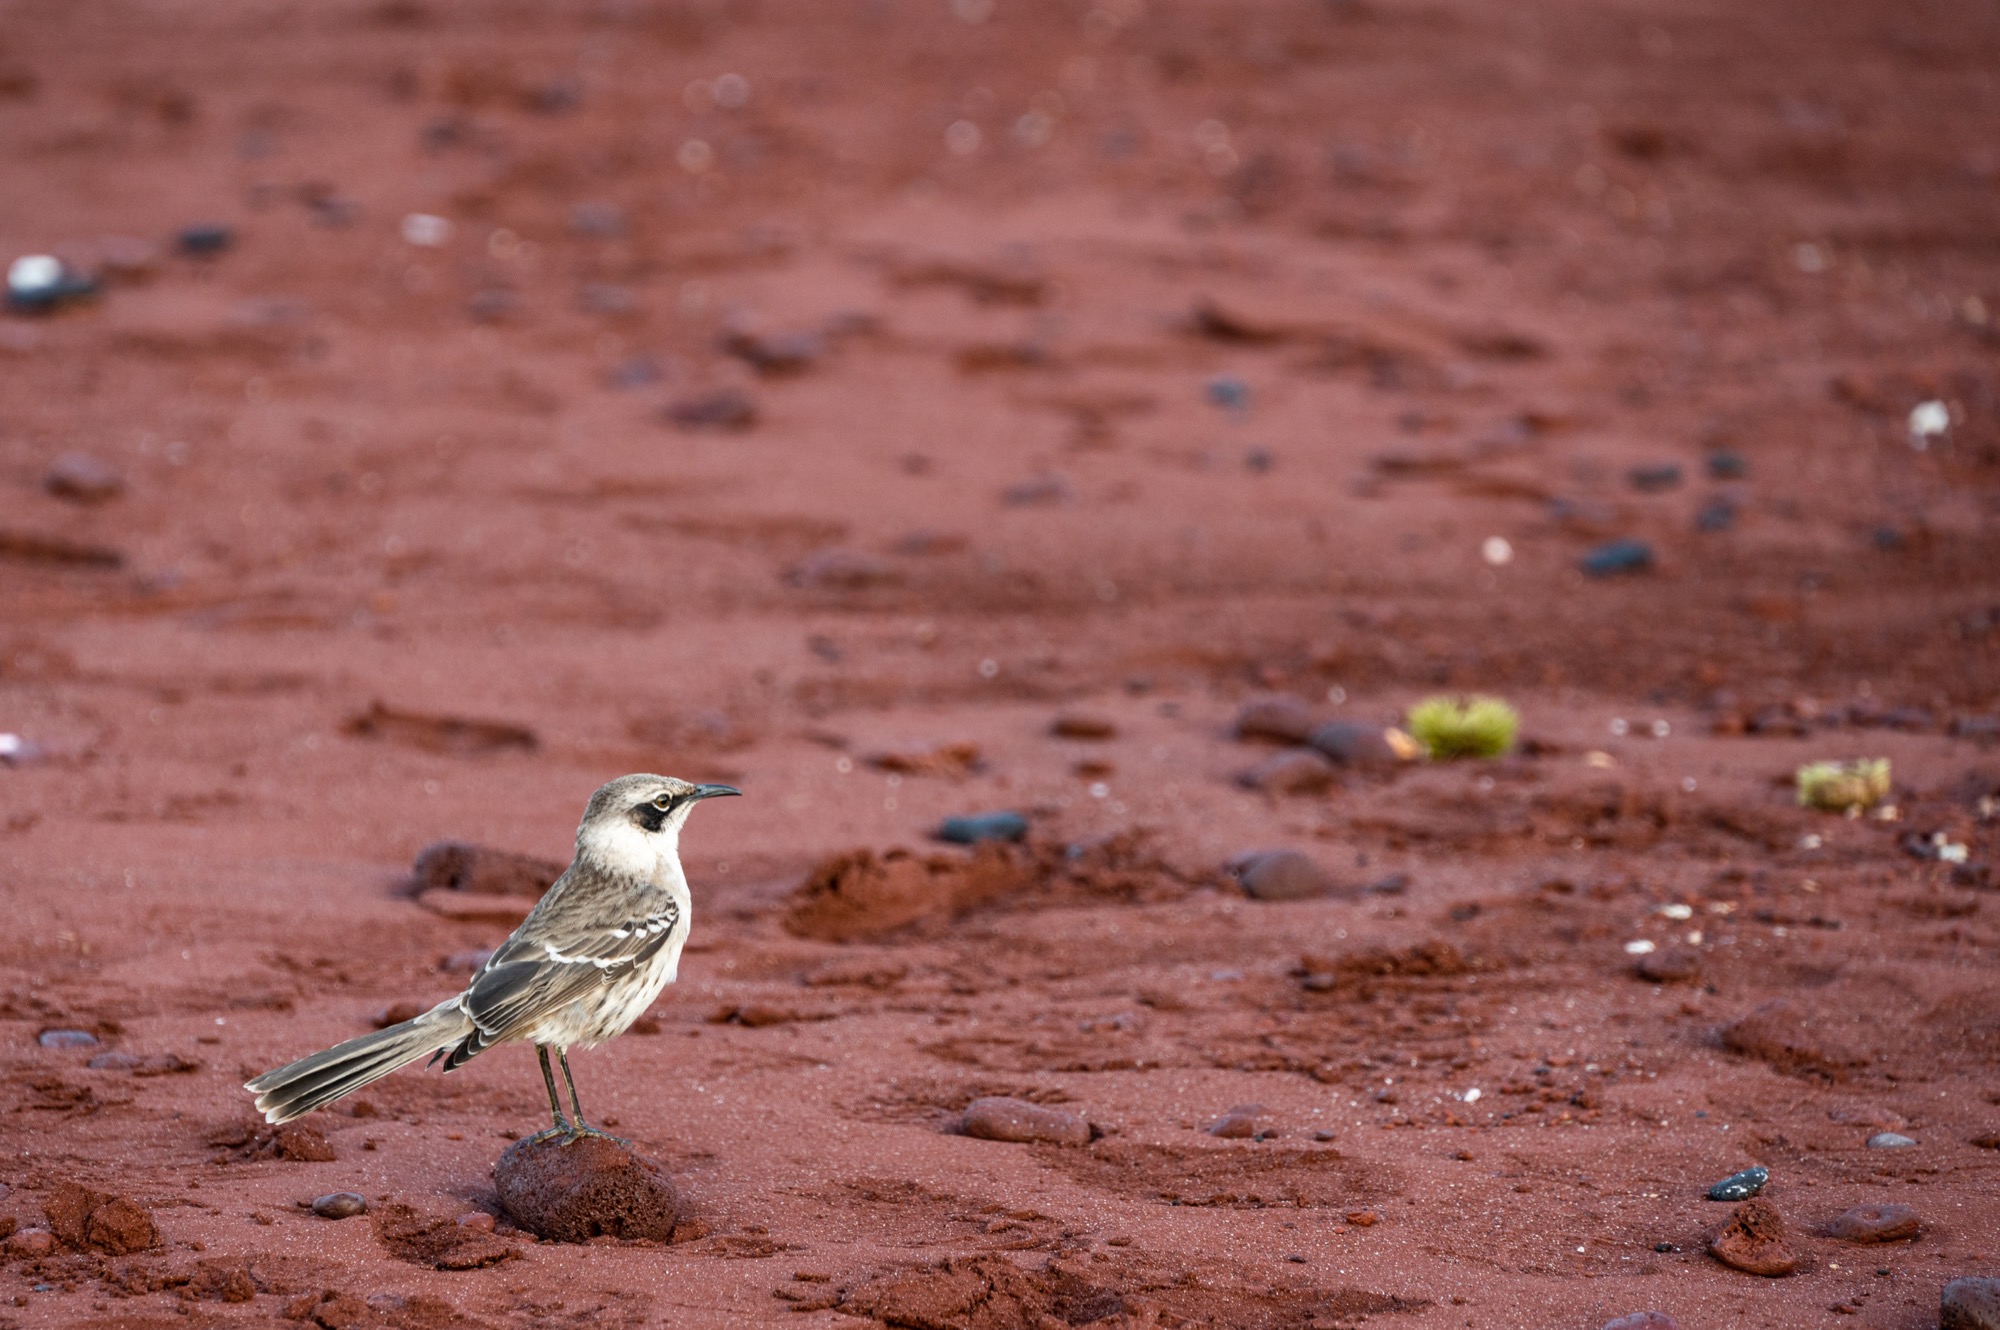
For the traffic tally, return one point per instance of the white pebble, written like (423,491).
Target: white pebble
(32,274)
(426,230)
(1928,419)
(1497,551)
(1638,947)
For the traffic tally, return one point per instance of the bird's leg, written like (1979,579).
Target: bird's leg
(562,1126)
(582,1128)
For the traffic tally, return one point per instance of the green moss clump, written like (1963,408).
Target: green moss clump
(1464,726)
(1840,786)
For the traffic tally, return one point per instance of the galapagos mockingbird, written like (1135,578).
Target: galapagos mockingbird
(589,958)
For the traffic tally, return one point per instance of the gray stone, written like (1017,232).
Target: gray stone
(1279,717)
(1294,771)
(999,1118)
(340,1205)
(81,478)
(1356,745)
(972,828)
(1890,1140)
(66,1039)
(1280,875)
(1972,1303)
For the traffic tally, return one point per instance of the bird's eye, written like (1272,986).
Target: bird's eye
(663,802)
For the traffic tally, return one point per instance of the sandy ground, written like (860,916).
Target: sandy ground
(949,369)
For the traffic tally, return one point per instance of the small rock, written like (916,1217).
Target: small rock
(598,221)
(1355,745)
(340,1205)
(32,1243)
(998,1118)
(1229,393)
(1875,1223)
(67,1039)
(84,1219)
(478,1221)
(1971,1303)
(775,353)
(1617,557)
(1655,478)
(457,866)
(1294,771)
(37,283)
(1082,725)
(573,1191)
(1643,1321)
(1754,1241)
(205,240)
(1740,1186)
(1669,965)
(116,1060)
(1715,515)
(838,569)
(81,478)
(1239,1123)
(494,304)
(1987,1140)
(972,828)
(1280,875)
(1724,464)
(1279,717)
(1037,491)
(1364,1218)
(1890,1140)
(724,409)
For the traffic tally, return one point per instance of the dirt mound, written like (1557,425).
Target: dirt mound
(87,1220)
(441,1244)
(1790,1039)
(860,894)
(299,1142)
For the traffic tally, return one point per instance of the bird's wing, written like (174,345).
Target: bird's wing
(540,970)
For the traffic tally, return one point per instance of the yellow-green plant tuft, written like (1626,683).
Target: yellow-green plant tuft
(1844,786)
(1464,726)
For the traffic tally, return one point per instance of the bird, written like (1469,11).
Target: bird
(598,947)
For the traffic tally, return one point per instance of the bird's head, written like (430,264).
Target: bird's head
(634,823)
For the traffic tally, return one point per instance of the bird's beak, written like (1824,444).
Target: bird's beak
(714,791)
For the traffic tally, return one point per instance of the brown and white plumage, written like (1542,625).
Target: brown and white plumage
(592,955)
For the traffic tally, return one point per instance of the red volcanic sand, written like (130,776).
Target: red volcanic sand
(742,427)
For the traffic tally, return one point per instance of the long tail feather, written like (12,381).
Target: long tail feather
(312,1082)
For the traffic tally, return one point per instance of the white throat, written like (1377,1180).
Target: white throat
(621,848)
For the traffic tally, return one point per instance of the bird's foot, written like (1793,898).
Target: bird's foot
(562,1131)
(583,1129)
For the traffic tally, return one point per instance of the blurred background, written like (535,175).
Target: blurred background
(658,380)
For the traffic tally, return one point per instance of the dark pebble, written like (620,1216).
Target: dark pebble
(1875,1223)
(493,305)
(1082,725)
(206,240)
(1038,491)
(1655,478)
(1279,717)
(1643,1321)
(590,1187)
(725,409)
(1740,1186)
(1890,1140)
(116,1060)
(67,1039)
(1295,771)
(1618,557)
(1889,538)
(81,478)
(1970,1304)
(1259,461)
(972,828)
(1725,464)
(1280,875)
(599,221)
(999,1118)
(1715,515)
(776,353)
(340,1205)
(637,372)
(1230,393)
(1354,745)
